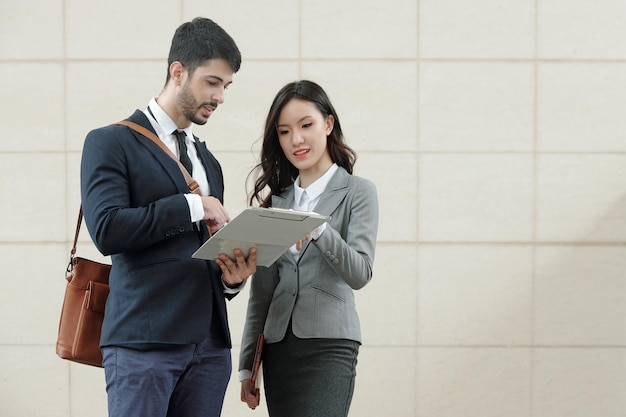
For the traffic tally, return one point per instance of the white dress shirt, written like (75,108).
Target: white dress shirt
(164,127)
(305,199)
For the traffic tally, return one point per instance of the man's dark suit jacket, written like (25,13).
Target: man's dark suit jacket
(135,210)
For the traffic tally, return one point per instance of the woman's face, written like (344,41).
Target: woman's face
(302,131)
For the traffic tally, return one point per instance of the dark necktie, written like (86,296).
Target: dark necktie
(182,151)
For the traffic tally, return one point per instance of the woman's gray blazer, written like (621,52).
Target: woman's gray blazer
(316,293)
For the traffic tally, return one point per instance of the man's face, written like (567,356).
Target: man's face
(201,93)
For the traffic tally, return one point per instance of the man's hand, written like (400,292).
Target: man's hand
(234,272)
(215,215)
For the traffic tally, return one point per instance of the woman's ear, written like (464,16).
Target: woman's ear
(330,123)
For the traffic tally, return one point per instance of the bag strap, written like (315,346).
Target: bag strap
(70,265)
(193,185)
(194,188)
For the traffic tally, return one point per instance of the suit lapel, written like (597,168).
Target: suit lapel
(215,183)
(334,194)
(168,164)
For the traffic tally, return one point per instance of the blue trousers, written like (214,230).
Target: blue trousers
(181,381)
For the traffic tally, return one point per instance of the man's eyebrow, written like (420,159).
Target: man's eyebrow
(218,78)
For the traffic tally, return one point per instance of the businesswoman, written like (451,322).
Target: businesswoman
(304,302)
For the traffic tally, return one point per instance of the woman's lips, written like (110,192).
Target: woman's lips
(300,153)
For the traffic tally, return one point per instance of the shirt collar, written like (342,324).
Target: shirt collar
(316,189)
(164,121)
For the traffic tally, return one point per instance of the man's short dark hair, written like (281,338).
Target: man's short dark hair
(200,40)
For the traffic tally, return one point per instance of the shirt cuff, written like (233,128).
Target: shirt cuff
(244,374)
(315,234)
(235,290)
(196,211)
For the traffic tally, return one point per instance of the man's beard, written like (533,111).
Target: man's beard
(189,106)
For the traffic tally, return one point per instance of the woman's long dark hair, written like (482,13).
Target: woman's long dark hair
(275,171)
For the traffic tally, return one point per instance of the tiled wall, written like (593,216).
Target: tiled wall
(494,130)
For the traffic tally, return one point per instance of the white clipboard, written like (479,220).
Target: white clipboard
(271,230)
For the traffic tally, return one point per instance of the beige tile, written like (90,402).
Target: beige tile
(378,116)
(88,391)
(235,166)
(364,29)
(31,300)
(581,29)
(453,29)
(238,124)
(581,107)
(32,117)
(35,382)
(476,198)
(261,30)
(473,382)
(395,177)
(580,198)
(31,30)
(385,382)
(474,295)
(392,291)
(120,29)
(579,382)
(476,107)
(33,214)
(579,296)
(101,93)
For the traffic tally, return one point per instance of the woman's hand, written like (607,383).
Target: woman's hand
(301,242)
(250,394)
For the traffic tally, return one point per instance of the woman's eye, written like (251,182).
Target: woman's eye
(282,132)
(307,125)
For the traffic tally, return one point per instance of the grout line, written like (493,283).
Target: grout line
(65,134)
(503,243)
(417,205)
(533,266)
(500,346)
(300,76)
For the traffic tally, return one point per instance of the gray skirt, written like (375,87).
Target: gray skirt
(309,377)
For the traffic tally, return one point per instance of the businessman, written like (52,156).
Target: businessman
(165,338)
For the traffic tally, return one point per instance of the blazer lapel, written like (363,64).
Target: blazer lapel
(168,164)
(285,200)
(335,192)
(215,183)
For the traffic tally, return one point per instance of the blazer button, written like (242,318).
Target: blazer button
(181,229)
(327,253)
(168,234)
(335,261)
